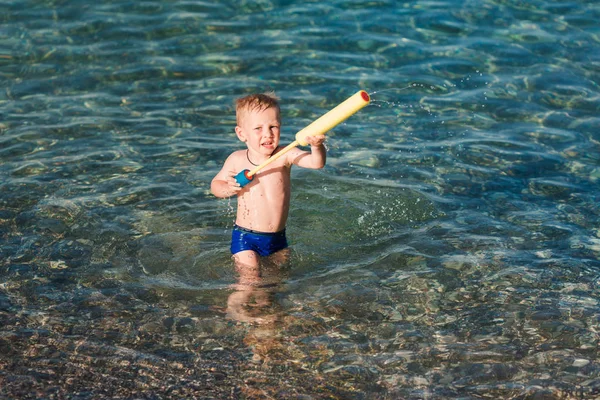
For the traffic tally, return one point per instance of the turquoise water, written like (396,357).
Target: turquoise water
(449,249)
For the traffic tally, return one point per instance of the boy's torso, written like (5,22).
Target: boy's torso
(264,203)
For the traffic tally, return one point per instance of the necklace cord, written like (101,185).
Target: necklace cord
(250,161)
(248,157)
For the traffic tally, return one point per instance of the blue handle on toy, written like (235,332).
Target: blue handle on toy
(243,178)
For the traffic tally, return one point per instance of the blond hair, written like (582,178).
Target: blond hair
(255,102)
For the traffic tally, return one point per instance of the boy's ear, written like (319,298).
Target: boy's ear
(240,133)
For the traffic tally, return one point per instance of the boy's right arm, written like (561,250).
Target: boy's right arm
(224,184)
(224,189)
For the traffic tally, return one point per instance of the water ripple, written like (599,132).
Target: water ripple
(449,249)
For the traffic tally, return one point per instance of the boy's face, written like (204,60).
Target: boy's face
(260,130)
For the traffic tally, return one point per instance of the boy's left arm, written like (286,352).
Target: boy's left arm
(317,156)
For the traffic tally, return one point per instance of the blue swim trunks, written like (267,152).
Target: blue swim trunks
(264,243)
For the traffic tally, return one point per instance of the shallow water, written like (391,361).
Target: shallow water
(449,249)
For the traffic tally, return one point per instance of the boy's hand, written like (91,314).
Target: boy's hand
(315,141)
(234,186)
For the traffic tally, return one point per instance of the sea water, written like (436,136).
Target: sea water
(449,249)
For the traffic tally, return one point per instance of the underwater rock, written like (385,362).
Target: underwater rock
(72,253)
(5,303)
(155,255)
(159,253)
(352,372)
(52,225)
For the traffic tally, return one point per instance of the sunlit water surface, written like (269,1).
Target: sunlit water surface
(449,249)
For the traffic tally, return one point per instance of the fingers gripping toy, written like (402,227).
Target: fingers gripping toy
(320,126)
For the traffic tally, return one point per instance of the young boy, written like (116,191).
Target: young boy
(264,203)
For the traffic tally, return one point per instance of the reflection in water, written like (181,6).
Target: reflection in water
(254,301)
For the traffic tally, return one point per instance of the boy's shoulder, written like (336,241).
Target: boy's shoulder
(236,157)
(238,154)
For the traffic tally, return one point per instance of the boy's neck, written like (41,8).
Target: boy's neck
(265,159)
